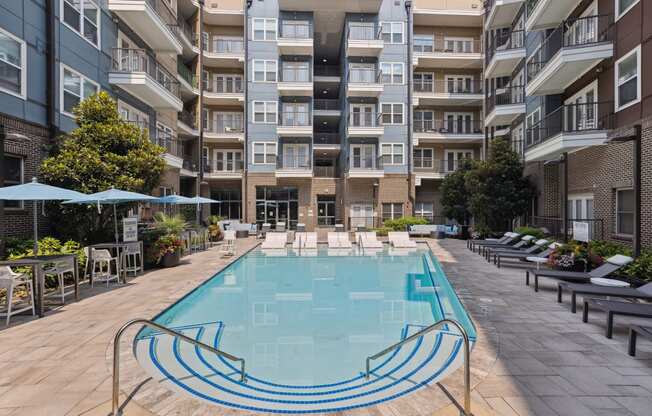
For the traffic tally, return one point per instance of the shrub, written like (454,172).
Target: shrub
(383,231)
(536,232)
(47,246)
(607,249)
(400,224)
(169,224)
(641,268)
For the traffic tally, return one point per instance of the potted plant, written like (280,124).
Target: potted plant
(214,230)
(168,245)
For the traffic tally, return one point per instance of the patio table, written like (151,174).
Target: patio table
(38,275)
(120,248)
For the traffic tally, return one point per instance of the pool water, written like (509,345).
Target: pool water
(312,319)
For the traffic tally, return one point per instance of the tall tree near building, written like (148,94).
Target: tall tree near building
(497,190)
(454,198)
(103,152)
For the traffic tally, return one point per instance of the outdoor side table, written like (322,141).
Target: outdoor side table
(120,249)
(242,233)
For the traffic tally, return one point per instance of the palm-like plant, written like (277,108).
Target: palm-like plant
(169,224)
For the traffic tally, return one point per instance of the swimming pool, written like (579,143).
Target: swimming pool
(305,325)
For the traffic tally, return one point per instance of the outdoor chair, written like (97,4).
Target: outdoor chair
(507,240)
(133,258)
(195,244)
(228,245)
(615,307)
(634,332)
(516,244)
(103,258)
(337,240)
(267,227)
(538,258)
(280,227)
(301,228)
(368,240)
(611,265)
(59,270)
(11,281)
(305,240)
(521,246)
(471,243)
(642,293)
(401,240)
(275,240)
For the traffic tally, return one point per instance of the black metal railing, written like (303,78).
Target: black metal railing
(560,229)
(189,164)
(425,164)
(571,33)
(172,145)
(326,104)
(365,163)
(187,74)
(363,119)
(326,138)
(571,118)
(356,31)
(226,86)
(450,86)
(434,219)
(295,118)
(225,46)
(164,12)
(188,118)
(456,126)
(443,44)
(506,96)
(139,60)
(504,41)
(364,223)
(364,76)
(223,166)
(295,30)
(325,172)
(225,123)
(294,163)
(186,30)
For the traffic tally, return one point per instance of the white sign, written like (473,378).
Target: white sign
(130,229)
(581,231)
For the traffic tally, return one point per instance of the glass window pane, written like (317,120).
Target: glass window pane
(624,4)
(10,50)
(89,89)
(71,82)
(627,68)
(72,13)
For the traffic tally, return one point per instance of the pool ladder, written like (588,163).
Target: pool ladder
(424,331)
(145,322)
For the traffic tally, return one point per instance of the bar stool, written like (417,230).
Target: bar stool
(133,258)
(104,258)
(59,269)
(10,281)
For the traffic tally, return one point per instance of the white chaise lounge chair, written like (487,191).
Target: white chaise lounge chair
(305,241)
(339,240)
(368,240)
(401,240)
(275,240)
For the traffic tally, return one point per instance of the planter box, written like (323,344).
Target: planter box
(171,259)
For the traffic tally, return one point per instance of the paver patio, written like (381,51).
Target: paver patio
(533,356)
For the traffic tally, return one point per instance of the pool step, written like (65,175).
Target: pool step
(191,370)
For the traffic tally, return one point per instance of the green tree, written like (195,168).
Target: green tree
(454,198)
(104,151)
(497,190)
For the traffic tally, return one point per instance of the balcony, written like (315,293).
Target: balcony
(326,143)
(365,167)
(327,73)
(187,82)
(152,20)
(186,123)
(139,74)
(504,105)
(365,124)
(459,13)
(173,148)
(227,92)
(327,107)
(447,131)
(568,128)
(458,92)
(225,128)
(295,38)
(188,39)
(325,172)
(501,13)
(570,51)
(363,40)
(427,168)
(230,169)
(295,82)
(505,53)
(225,53)
(294,166)
(189,167)
(295,124)
(364,83)
(223,12)
(440,51)
(546,14)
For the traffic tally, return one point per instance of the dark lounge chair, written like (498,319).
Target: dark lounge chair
(516,242)
(499,256)
(644,292)
(613,308)
(508,237)
(523,246)
(634,332)
(612,264)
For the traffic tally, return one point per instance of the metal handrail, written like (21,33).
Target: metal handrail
(116,355)
(467,356)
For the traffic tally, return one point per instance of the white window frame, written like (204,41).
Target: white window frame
(224,159)
(529,123)
(583,199)
(265,20)
(392,32)
(637,52)
(391,73)
(396,150)
(616,212)
(82,19)
(455,152)
(393,211)
(266,152)
(225,81)
(21,204)
(456,115)
(392,114)
(619,15)
(83,78)
(455,78)
(364,147)
(23,66)
(421,157)
(459,39)
(266,63)
(266,114)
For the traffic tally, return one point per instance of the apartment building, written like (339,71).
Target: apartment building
(565,83)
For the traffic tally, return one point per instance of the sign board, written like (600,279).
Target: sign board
(580,231)
(130,229)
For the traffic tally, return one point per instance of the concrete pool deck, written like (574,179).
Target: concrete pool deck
(533,357)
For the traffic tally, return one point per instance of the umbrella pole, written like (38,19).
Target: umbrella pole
(115,222)
(35,228)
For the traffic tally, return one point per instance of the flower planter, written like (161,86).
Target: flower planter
(171,259)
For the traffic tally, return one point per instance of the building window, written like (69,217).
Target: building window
(133,115)
(424,43)
(392,72)
(14,174)
(231,203)
(628,81)
(623,6)
(423,209)
(392,153)
(532,127)
(13,69)
(265,112)
(625,211)
(74,88)
(458,45)
(265,70)
(83,16)
(392,211)
(264,29)
(423,158)
(264,153)
(392,32)
(392,113)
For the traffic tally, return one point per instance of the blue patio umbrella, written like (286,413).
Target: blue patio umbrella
(112,197)
(174,200)
(34,191)
(201,200)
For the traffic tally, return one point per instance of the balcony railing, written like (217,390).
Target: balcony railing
(571,33)
(295,30)
(449,86)
(327,71)
(372,119)
(188,118)
(530,5)
(187,74)
(445,44)
(172,145)
(326,104)
(138,60)
(294,163)
(163,11)
(230,86)
(189,164)
(326,139)
(223,167)
(448,126)
(187,31)
(363,32)
(505,41)
(364,76)
(506,96)
(225,124)
(295,119)
(226,46)
(324,172)
(558,228)
(295,75)
(422,164)
(571,118)
(365,163)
